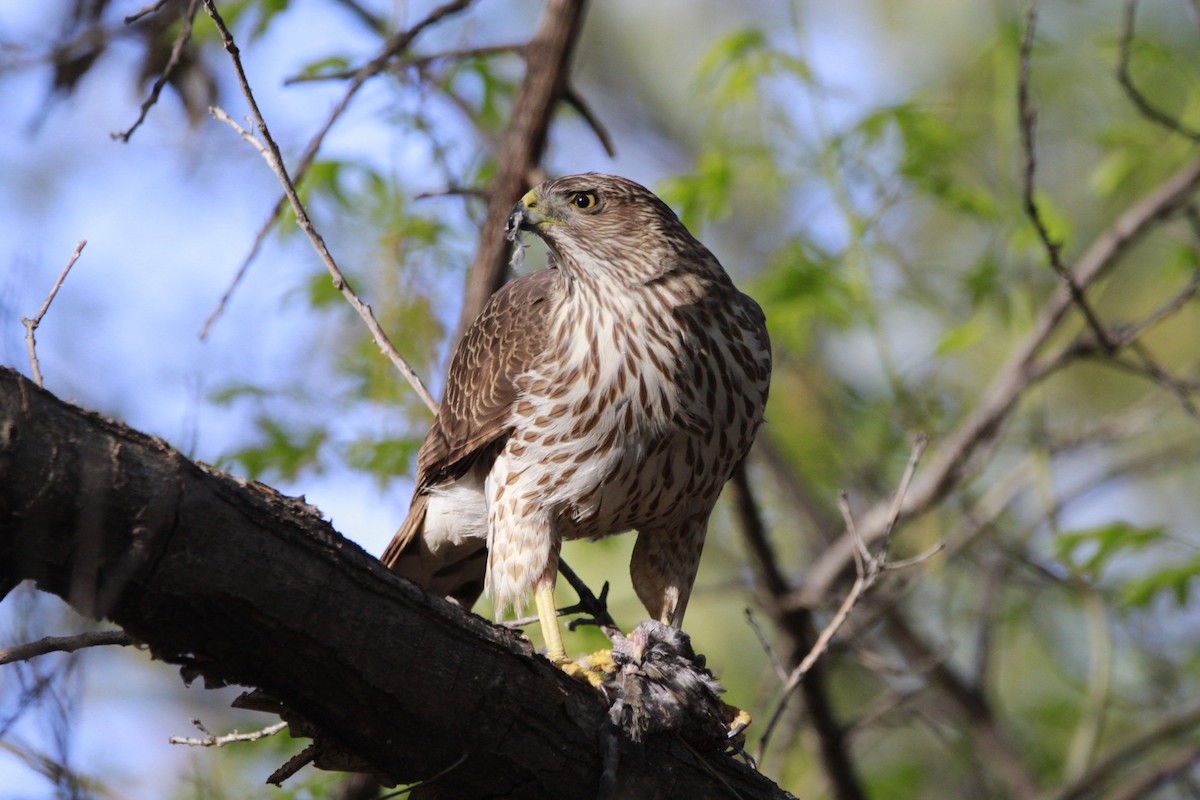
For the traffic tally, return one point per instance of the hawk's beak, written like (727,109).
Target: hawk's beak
(525,215)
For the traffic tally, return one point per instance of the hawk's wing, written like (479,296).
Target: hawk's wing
(505,339)
(481,387)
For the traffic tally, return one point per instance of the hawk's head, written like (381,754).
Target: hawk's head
(604,223)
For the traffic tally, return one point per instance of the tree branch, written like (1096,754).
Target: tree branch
(31,325)
(945,468)
(242,585)
(270,152)
(395,45)
(547,66)
(1125,78)
(1028,120)
(798,634)
(64,644)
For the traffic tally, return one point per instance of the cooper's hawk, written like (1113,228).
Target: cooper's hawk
(614,391)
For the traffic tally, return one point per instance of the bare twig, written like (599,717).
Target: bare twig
(185,33)
(152,8)
(576,101)
(869,567)
(427,781)
(270,152)
(1125,78)
(1126,756)
(211,740)
(1141,786)
(396,44)
(797,634)
(972,706)
(485,51)
(768,648)
(64,644)
(31,325)
(453,191)
(1028,122)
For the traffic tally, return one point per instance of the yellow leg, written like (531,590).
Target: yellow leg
(548,619)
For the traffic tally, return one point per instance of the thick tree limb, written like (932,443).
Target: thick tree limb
(240,584)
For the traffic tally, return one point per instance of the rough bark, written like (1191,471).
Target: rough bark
(242,585)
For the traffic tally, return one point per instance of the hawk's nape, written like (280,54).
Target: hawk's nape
(615,390)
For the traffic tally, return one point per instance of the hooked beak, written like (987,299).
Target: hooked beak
(525,216)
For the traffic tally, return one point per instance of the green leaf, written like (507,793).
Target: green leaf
(281,451)
(961,337)
(703,195)
(1089,550)
(1113,171)
(732,70)
(385,458)
(1175,581)
(983,282)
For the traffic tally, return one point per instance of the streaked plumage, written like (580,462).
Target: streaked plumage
(615,390)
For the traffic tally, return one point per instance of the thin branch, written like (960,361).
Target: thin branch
(576,101)
(768,648)
(1141,786)
(910,469)
(1126,756)
(453,191)
(270,152)
(419,62)
(31,325)
(990,738)
(211,740)
(152,8)
(185,33)
(1125,78)
(1028,119)
(64,644)
(373,21)
(797,634)
(396,44)
(869,567)
(429,780)
(547,67)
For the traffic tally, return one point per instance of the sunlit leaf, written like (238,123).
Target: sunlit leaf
(1088,551)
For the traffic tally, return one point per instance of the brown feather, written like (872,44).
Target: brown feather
(473,419)
(503,342)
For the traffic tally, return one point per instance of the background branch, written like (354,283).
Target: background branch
(274,159)
(945,468)
(31,325)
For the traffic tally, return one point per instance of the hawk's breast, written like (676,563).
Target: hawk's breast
(637,414)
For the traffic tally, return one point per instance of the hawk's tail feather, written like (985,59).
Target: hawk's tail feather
(454,570)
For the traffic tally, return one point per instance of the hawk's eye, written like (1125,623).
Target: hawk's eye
(584,200)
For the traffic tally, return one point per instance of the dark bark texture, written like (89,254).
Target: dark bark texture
(242,585)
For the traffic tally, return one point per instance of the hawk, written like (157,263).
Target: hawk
(615,390)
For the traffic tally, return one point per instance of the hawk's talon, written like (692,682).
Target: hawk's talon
(579,672)
(602,662)
(738,719)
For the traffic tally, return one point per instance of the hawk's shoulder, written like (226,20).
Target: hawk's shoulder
(502,342)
